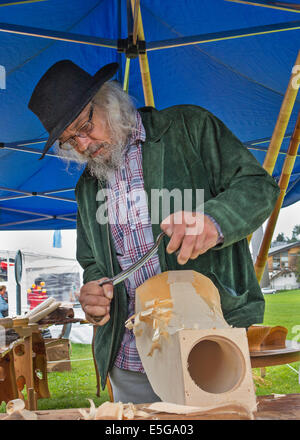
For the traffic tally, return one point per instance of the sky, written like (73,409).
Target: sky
(42,241)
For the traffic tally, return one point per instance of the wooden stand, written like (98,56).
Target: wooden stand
(23,366)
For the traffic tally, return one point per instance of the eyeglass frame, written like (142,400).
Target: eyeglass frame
(68,145)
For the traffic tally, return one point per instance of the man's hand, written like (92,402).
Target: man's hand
(95,301)
(194,233)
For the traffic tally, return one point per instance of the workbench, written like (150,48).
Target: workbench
(273,407)
(278,356)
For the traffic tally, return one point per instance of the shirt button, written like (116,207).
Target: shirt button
(133,227)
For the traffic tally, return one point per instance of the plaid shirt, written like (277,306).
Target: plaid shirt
(132,234)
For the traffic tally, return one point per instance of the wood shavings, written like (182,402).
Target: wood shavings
(129,412)
(146,312)
(155,346)
(15,405)
(112,411)
(89,415)
(173,408)
(156,335)
(15,410)
(160,312)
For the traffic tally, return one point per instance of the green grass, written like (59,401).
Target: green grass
(72,389)
(283,308)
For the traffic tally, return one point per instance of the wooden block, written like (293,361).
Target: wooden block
(32,399)
(20,322)
(6,322)
(58,354)
(256,334)
(276,338)
(198,359)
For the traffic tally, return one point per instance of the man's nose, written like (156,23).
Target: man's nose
(83,143)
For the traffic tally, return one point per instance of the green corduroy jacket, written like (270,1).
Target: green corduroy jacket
(185,147)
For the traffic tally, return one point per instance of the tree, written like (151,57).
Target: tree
(296,233)
(281,237)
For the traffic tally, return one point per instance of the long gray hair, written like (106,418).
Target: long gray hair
(119,110)
(120,116)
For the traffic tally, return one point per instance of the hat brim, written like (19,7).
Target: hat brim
(100,77)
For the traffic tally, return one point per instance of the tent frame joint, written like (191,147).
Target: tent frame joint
(131,50)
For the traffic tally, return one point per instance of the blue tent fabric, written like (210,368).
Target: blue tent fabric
(241,80)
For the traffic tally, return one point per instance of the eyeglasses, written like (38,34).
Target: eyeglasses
(83,132)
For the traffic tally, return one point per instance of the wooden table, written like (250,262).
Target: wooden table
(273,407)
(280,356)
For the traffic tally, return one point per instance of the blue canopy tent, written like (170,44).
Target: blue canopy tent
(232,57)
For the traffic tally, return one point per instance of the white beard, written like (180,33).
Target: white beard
(104,165)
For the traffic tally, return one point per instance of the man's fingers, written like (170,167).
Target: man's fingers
(186,249)
(108,290)
(199,248)
(97,320)
(96,310)
(95,300)
(167,225)
(104,320)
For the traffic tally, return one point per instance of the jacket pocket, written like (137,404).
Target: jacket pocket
(230,299)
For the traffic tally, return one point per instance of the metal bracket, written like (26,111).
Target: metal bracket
(130,49)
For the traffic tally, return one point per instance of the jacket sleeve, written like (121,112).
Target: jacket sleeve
(85,255)
(244,193)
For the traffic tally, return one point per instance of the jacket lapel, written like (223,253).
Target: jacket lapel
(154,169)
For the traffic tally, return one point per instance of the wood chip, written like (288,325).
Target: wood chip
(112,411)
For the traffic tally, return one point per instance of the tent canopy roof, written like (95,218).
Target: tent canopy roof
(232,58)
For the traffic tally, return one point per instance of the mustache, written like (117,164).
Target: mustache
(95,147)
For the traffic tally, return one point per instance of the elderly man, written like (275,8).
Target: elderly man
(129,152)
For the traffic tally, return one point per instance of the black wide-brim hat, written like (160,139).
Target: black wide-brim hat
(62,93)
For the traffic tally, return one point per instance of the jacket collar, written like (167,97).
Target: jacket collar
(155,123)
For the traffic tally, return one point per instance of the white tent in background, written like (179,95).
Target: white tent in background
(62,277)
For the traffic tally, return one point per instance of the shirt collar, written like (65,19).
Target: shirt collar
(139,133)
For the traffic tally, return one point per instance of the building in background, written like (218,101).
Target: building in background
(284,266)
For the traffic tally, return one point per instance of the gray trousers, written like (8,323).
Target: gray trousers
(131,386)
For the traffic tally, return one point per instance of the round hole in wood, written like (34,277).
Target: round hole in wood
(20,350)
(21,381)
(216,364)
(39,374)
